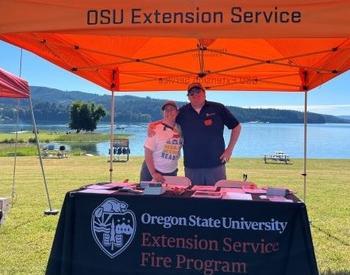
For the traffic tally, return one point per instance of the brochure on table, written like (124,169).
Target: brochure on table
(244,191)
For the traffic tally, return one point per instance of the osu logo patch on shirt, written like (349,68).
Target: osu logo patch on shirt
(208,122)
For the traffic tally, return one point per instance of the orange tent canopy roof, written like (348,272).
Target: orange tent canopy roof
(133,46)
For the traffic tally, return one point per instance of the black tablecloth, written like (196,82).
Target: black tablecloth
(139,234)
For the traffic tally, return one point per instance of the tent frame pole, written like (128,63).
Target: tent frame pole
(305,144)
(111,139)
(49,211)
(13,189)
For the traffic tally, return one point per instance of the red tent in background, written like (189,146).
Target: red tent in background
(12,86)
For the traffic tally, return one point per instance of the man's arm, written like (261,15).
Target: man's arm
(150,165)
(235,132)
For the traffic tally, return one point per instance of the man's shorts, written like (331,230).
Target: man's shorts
(206,176)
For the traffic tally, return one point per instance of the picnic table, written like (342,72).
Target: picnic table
(50,151)
(277,157)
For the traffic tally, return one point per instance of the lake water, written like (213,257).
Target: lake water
(256,140)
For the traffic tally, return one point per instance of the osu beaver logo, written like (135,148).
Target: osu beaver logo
(113,226)
(208,122)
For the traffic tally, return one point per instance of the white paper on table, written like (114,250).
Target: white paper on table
(109,185)
(97,187)
(119,184)
(237,196)
(233,190)
(96,191)
(278,199)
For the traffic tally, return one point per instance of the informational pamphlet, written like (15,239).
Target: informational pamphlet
(229,183)
(177,181)
(97,191)
(204,188)
(234,190)
(207,194)
(254,190)
(237,196)
(112,185)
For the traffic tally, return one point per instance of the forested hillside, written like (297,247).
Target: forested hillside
(52,106)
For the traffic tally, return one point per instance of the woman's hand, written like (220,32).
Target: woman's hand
(158,177)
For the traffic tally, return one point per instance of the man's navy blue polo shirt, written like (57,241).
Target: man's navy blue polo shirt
(203,133)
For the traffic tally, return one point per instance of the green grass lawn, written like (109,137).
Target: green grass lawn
(24,148)
(27,235)
(49,136)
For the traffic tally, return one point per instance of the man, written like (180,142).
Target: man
(162,150)
(202,125)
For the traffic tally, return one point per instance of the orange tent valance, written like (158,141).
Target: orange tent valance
(227,45)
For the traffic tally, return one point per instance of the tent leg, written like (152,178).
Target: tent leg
(111,139)
(305,144)
(49,211)
(13,192)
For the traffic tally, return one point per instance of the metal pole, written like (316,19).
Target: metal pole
(49,211)
(305,143)
(13,191)
(111,138)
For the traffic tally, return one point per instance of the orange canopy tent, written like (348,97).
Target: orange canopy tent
(286,45)
(12,86)
(255,45)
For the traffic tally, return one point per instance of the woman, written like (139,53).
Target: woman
(162,150)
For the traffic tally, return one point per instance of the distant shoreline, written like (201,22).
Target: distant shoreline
(325,141)
(61,123)
(52,106)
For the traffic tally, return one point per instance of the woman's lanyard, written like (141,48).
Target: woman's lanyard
(167,126)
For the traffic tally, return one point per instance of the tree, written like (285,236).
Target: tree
(85,116)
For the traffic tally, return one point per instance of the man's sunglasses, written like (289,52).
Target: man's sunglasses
(194,91)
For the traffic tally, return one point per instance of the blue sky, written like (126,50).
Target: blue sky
(331,98)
